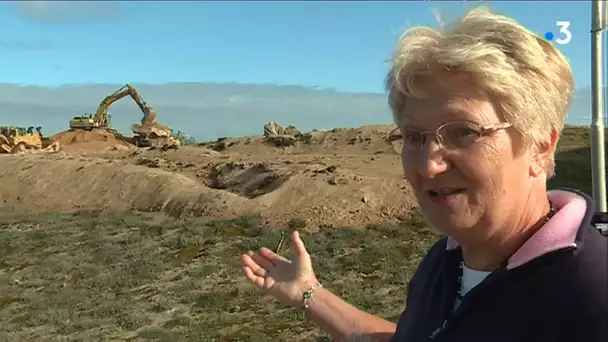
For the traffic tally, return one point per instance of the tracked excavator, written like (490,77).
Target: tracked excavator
(149,133)
(15,139)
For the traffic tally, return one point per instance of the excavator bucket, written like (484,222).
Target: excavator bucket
(149,117)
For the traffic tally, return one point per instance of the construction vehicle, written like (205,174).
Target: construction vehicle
(15,139)
(154,135)
(149,133)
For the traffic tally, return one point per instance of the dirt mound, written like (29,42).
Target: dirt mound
(341,177)
(63,182)
(366,139)
(351,141)
(336,196)
(91,141)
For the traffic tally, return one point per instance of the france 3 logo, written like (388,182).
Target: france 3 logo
(563,36)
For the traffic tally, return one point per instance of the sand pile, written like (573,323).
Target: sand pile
(66,183)
(90,141)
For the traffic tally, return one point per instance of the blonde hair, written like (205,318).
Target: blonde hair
(529,79)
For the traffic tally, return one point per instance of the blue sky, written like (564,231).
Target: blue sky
(342,45)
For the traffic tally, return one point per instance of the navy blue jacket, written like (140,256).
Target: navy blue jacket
(554,289)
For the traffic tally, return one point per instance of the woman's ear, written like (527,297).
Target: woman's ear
(543,153)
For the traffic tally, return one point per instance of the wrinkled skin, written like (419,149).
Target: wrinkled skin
(286,280)
(490,170)
(504,180)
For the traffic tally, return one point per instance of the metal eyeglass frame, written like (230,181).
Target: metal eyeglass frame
(484,130)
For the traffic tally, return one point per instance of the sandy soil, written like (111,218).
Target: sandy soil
(344,177)
(91,141)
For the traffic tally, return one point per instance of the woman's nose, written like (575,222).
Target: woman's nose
(430,161)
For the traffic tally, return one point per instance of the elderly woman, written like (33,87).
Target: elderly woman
(480,107)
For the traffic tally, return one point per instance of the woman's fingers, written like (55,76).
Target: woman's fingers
(272,256)
(298,244)
(253,278)
(262,261)
(252,262)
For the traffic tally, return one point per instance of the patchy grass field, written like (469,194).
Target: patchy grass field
(573,167)
(98,277)
(95,277)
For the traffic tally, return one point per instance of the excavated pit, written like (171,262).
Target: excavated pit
(248,180)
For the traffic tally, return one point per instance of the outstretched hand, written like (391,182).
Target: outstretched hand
(284,279)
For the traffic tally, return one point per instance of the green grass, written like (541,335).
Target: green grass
(573,159)
(90,276)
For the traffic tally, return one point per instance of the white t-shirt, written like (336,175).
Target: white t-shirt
(470,279)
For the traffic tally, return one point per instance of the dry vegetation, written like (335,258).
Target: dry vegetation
(89,276)
(76,273)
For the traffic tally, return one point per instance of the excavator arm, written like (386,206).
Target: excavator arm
(149,112)
(148,122)
(127,90)
(102,110)
(151,133)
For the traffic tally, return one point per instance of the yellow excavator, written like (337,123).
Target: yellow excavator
(149,133)
(15,139)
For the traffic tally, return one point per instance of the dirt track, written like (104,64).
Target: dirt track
(344,177)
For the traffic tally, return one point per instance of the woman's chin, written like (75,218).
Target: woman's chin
(448,221)
(444,205)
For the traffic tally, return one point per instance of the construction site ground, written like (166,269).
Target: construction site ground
(345,177)
(106,242)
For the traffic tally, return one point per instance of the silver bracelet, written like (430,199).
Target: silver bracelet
(308,295)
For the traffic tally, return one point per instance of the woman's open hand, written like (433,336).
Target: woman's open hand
(284,279)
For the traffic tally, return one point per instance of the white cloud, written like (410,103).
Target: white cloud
(69,11)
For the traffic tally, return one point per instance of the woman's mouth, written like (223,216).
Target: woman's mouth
(444,195)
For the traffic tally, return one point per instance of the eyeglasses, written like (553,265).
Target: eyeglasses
(451,135)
